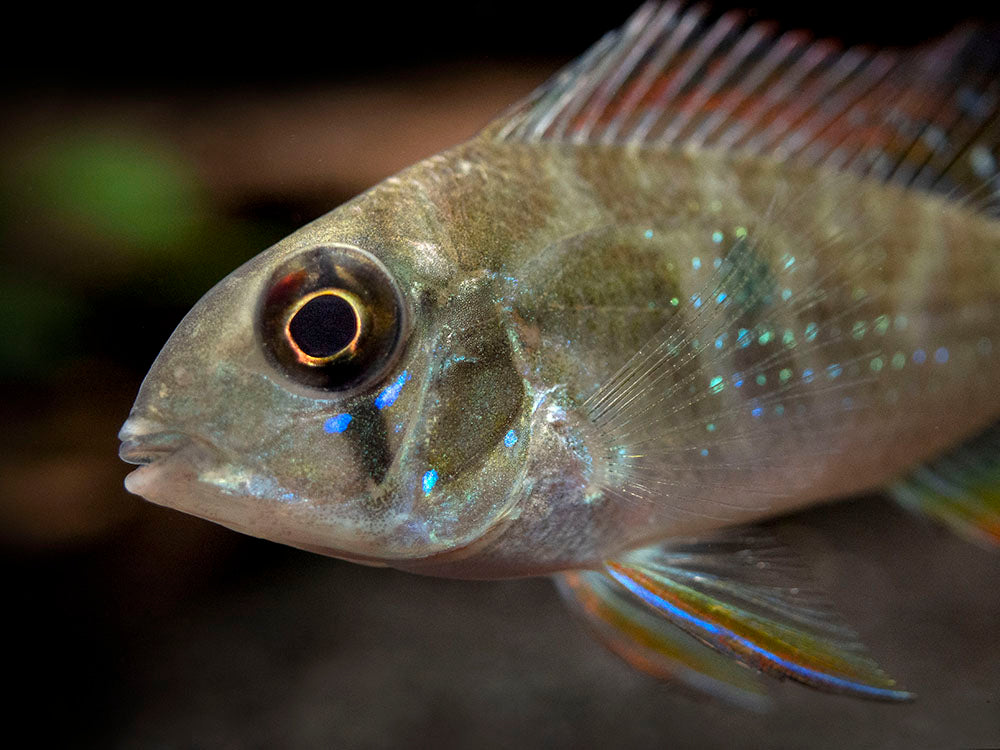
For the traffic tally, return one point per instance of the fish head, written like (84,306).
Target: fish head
(350,391)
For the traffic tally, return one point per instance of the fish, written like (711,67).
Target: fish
(709,274)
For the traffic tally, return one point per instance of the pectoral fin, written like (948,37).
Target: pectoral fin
(961,489)
(749,599)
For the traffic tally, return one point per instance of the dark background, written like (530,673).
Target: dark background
(144,153)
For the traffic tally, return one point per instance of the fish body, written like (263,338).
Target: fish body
(564,344)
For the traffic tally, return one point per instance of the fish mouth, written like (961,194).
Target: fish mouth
(166,459)
(144,442)
(151,448)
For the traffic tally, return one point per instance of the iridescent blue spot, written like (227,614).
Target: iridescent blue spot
(716,384)
(704,451)
(649,234)
(390,393)
(834,370)
(717,237)
(696,299)
(717,262)
(807,375)
(719,342)
(941,356)
(510,438)
(790,262)
(721,297)
(919,356)
(337,424)
(811,330)
(743,339)
(786,294)
(696,263)
(757,411)
(430,479)
(737,380)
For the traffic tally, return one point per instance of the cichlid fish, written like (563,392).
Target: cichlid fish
(706,275)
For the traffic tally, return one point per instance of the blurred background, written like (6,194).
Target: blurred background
(147,153)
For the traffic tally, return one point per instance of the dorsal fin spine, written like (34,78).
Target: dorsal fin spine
(645,25)
(698,57)
(772,97)
(784,127)
(562,95)
(785,46)
(603,73)
(746,44)
(674,41)
(847,104)
(871,70)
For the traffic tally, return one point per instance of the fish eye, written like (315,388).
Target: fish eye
(331,318)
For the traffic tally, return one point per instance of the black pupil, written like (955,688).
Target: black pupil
(323,326)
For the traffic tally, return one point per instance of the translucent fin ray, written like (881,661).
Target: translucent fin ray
(960,489)
(749,599)
(677,76)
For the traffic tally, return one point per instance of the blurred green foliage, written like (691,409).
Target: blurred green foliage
(106,240)
(137,197)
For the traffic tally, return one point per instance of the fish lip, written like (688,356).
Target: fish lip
(144,441)
(151,448)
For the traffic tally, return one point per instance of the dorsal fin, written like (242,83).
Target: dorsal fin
(675,76)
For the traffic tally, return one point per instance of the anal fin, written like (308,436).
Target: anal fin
(749,599)
(960,489)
